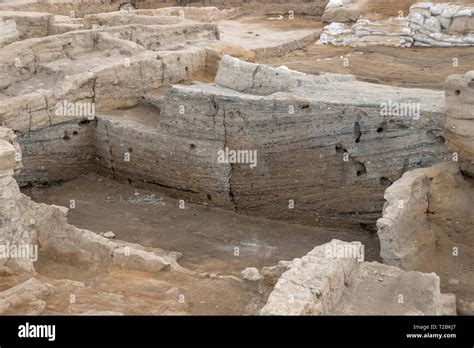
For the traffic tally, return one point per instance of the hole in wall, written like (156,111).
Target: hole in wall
(340,149)
(368,227)
(433,136)
(361,169)
(357,132)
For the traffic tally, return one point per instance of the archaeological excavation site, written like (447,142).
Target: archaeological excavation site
(236,157)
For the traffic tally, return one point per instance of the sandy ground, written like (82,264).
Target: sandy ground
(257,32)
(407,67)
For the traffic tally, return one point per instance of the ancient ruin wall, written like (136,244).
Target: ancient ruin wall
(318,153)
(334,279)
(23,25)
(59,145)
(427,219)
(459,125)
(29,224)
(62,7)
(85,7)
(403,231)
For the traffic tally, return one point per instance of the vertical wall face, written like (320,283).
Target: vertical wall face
(56,123)
(179,155)
(459,124)
(333,160)
(301,158)
(61,152)
(404,233)
(427,218)
(15,231)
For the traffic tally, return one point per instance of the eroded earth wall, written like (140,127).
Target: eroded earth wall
(333,278)
(459,126)
(80,9)
(26,225)
(305,157)
(427,220)
(329,158)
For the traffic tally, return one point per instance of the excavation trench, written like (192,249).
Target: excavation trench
(121,119)
(216,244)
(82,165)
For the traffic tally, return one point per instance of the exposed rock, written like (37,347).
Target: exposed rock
(25,297)
(271,274)
(427,218)
(425,222)
(23,25)
(251,273)
(459,124)
(98,94)
(202,14)
(64,24)
(346,13)
(333,279)
(109,235)
(8,32)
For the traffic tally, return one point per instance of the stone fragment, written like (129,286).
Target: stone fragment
(271,274)
(251,273)
(331,280)
(109,235)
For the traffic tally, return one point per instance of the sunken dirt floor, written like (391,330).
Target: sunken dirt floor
(206,237)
